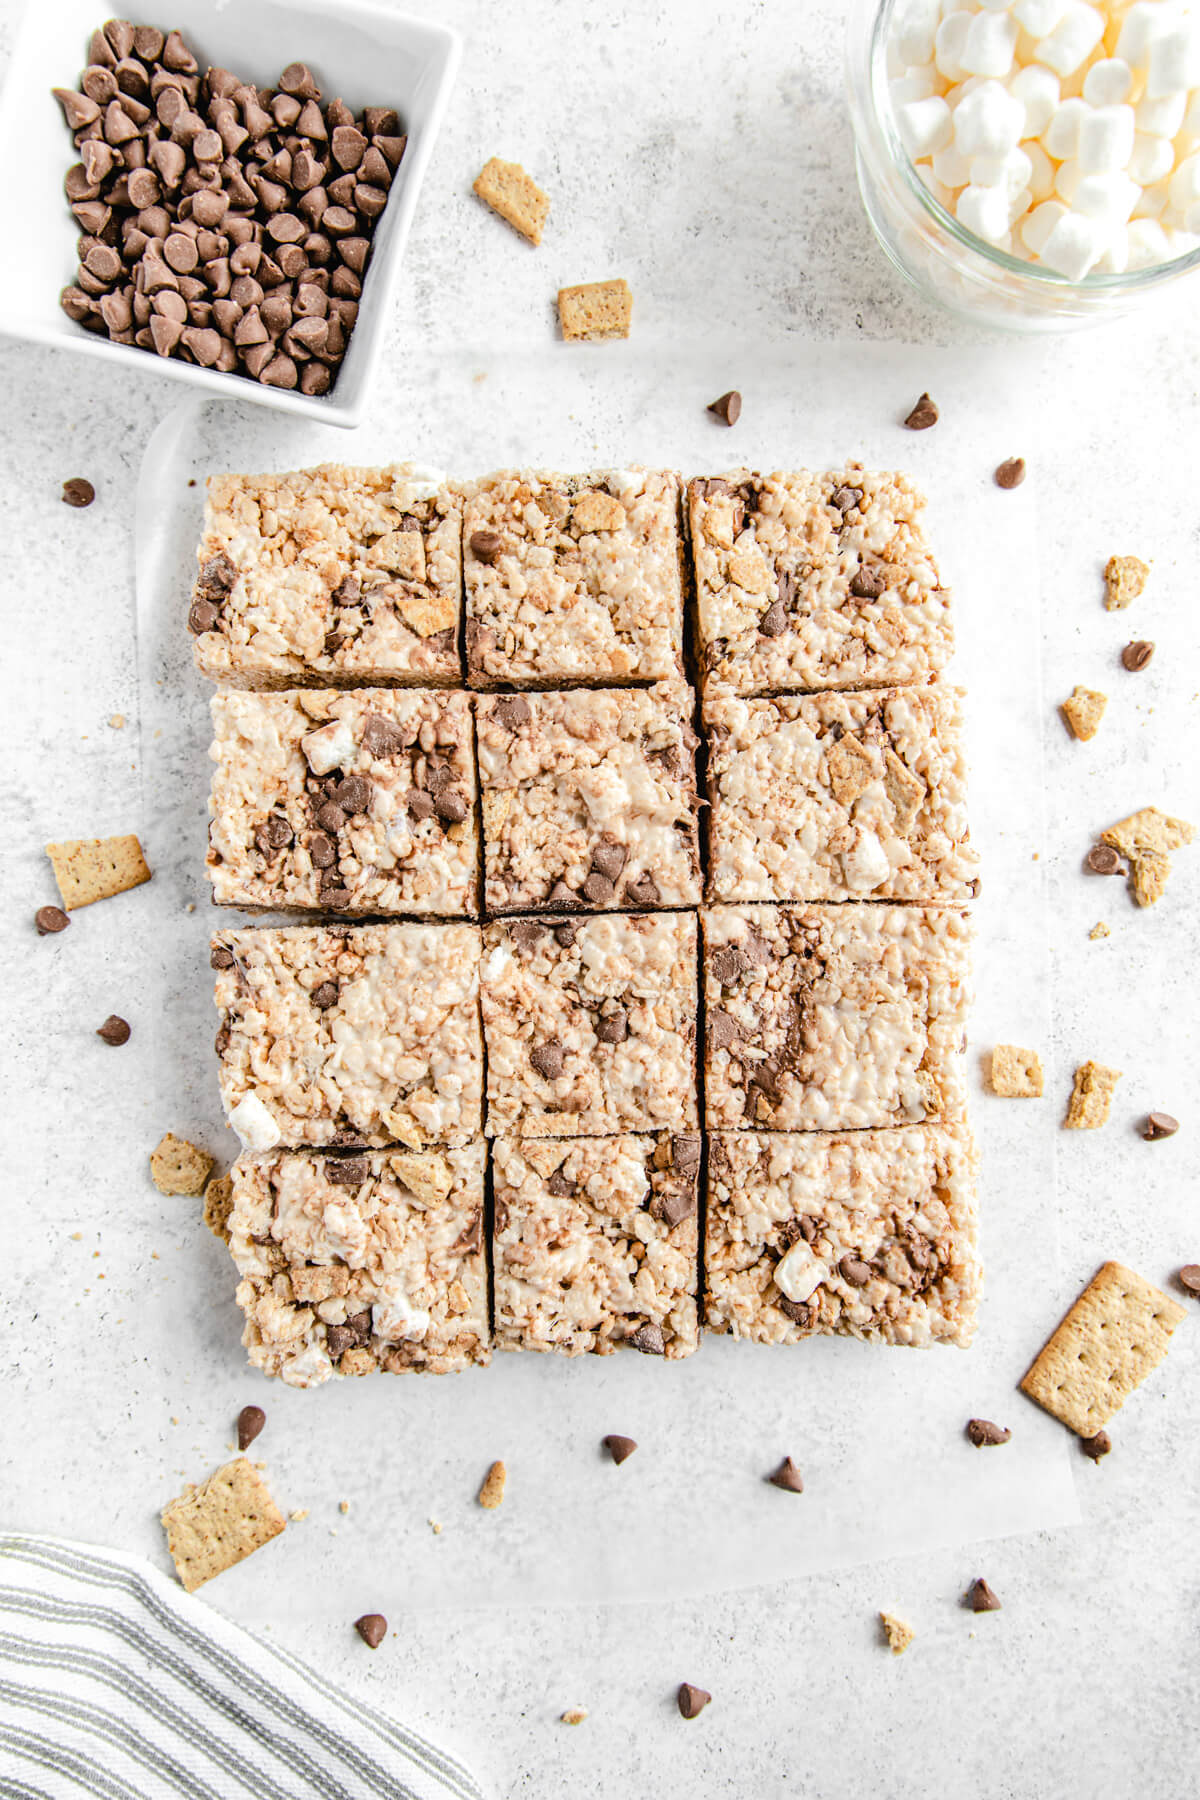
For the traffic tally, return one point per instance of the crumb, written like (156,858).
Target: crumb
(1016,1073)
(1083,712)
(1099,930)
(1124,579)
(898,1635)
(177,1167)
(190,907)
(343,1506)
(435,1527)
(492,1492)
(300,1514)
(117,721)
(76,1236)
(574,1715)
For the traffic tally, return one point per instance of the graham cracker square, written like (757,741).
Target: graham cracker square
(211,1527)
(1118,1330)
(598,309)
(1016,1073)
(88,869)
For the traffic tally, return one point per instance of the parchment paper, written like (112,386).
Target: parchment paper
(877,1433)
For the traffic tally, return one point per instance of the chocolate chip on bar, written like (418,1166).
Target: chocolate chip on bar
(981,1598)
(227,225)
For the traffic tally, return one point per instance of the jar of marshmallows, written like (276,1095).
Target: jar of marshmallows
(1031,164)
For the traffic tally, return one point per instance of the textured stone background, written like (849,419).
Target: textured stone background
(704,153)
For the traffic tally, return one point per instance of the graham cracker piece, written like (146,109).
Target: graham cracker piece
(850,771)
(427,612)
(1124,579)
(1099,930)
(515,195)
(905,790)
(211,1527)
(1145,839)
(598,309)
(177,1167)
(89,869)
(1016,1073)
(218,1204)
(1091,1097)
(1083,712)
(1116,1332)
(898,1635)
(492,1492)
(595,511)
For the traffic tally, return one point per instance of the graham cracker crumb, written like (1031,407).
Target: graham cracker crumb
(300,1514)
(117,721)
(177,1167)
(1124,579)
(515,195)
(1091,1097)
(435,1527)
(574,1715)
(596,310)
(1016,1073)
(492,1492)
(898,1635)
(1099,930)
(343,1506)
(218,1204)
(1083,712)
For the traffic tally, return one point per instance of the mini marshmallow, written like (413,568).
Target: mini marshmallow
(990,44)
(1019,204)
(1174,65)
(1073,246)
(1139,28)
(1073,39)
(1152,160)
(983,211)
(1067,178)
(949,44)
(1115,258)
(1108,82)
(1163,118)
(917,84)
(924,126)
(1183,189)
(1153,201)
(1110,198)
(1041,170)
(1010,172)
(951,167)
(1191,218)
(916,30)
(1039,17)
(995,5)
(1038,92)
(1146,243)
(1105,139)
(941,193)
(1190,122)
(1182,243)
(988,122)
(1038,224)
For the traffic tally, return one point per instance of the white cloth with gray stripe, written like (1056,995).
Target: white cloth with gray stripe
(117,1685)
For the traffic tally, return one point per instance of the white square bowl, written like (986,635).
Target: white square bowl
(364,53)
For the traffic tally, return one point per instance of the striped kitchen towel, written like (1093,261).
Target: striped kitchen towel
(117,1685)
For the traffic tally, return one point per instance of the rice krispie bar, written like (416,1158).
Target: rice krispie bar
(331,577)
(589,798)
(830,1018)
(808,581)
(596,1244)
(573,578)
(350,1264)
(839,797)
(590,1024)
(350,1036)
(358,800)
(867,1234)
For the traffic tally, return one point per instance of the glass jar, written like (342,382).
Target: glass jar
(941,258)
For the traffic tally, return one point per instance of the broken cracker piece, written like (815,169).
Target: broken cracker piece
(90,869)
(1118,1330)
(1083,712)
(515,195)
(1099,930)
(211,1527)
(574,1715)
(1145,839)
(492,1491)
(1016,1073)
(177,1167)
(1124,579)
(1091,1097)
(899,1635)
(218,1204)
(598,309)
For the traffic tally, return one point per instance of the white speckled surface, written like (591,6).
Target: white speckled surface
(711,165)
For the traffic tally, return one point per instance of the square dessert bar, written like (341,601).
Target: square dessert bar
(596,1244)
(589,798)
(810,581)
(869,1234)
(573,578)
(350,1036)
(354,1263)
(330,577)
(356,801)
(830,1018)
(839,797)
(590,1025)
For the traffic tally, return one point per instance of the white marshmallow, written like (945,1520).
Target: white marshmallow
(254,1124)
(917,84)
(1141,25)
(1191,218)
(1061,136)
(1183,189)
(951,167)
(1041,170)
(1105,139)
(1163,118)
(1039,17)
(988,122)
(983,210)
(941,193)
(990,44)
(1037,90)
(924,126)
(1067,178)
(949,44)
(1152,160)
(1038,224)
(1174,65)
(1110,198)
(915,31)
(1010,172)
(1146,243)
(1019,204)
(1073,246)
(1108,82)
(1182,242)
(1073,39)
(1153,201)
(995,5)
(1115,259)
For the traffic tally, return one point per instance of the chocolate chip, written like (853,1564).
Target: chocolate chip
(787,1477)
(564,936)
(723,1030)
(354,794)
(798,1311)
(273,834)
(527,933)
(560,1185)
(336,898)
(1135,656)
(548,1059)
(1102,859)
(250,1422)
(685,1152)
(980,1597)
(114,1030)
(853,1270)
(774,621)
(1159,1125)
(78,492)
(451,807)
(486,545)
(608,859)
(982,1432)
(868,583)
(643,891)
(50,920)
(339,1339)
(619,1448)
(1097,1446)
(598,888)
(331,818)
(648,1338)
(670,1207)
(202,617)
(372,1629)
(560,895)
(511,710)
(420,805)
(381,737)
(692,1700)
(322,850)
(1189,1277)
(325,995)
(923,415)
(846,498)
(1010,474)
(728,408)
(613,1027)
(347,1171)
(727,964)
